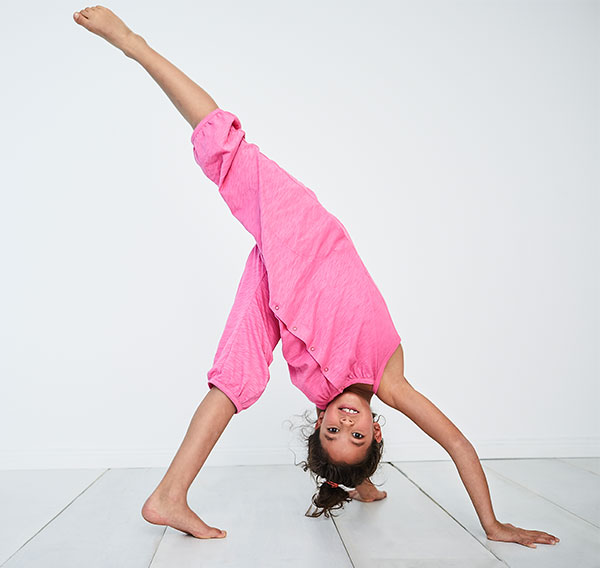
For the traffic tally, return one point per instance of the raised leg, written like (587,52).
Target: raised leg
(167,505)
(193,102)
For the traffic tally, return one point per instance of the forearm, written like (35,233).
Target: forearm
(469,468)
(191,100)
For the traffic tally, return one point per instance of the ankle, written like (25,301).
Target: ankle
(173,494)
(133,44)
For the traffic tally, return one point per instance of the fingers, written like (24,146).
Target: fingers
(542,537)
(545,538)
(524,537)
(529,540)
(356,496)
(539,537)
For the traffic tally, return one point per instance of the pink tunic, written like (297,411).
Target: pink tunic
(303,281)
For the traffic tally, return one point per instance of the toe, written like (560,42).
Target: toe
(213,533)
(208,532)
(218,533)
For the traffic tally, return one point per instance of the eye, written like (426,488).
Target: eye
(334,430)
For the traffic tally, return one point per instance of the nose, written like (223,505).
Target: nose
(346,419)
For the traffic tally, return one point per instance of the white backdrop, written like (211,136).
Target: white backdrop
(457,142)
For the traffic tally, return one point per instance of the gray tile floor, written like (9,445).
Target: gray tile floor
(91,518)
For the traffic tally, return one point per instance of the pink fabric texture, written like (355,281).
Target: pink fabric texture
(303,281)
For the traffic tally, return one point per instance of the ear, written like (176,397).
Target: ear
(319,420)
(377,434)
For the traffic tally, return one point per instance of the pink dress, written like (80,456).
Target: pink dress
(303,281)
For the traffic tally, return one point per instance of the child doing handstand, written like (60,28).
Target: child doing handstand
(305,284)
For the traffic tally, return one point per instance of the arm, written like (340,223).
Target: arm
(399,394)
(403,397)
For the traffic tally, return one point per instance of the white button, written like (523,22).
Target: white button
(294,328)
(276,307)
(326,369)
(312,347)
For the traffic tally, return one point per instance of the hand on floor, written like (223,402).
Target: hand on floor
(506,532)
(368,496)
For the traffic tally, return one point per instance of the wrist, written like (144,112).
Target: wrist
(366,484)
(491,527)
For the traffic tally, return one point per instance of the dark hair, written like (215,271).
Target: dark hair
(320,465)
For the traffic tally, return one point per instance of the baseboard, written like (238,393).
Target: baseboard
(486,449)
(500,449)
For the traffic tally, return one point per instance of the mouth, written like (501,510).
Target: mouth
(348,409)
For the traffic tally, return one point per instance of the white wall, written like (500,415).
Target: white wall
(457,141)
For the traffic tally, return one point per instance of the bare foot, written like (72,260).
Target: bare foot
(106,24)
(161,510)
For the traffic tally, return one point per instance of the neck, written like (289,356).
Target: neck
(362,389)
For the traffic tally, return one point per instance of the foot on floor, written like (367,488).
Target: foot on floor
(159,509)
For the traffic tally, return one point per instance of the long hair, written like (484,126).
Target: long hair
(328,497)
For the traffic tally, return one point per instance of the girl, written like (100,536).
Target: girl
(305,284)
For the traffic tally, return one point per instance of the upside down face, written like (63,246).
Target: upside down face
(347,428)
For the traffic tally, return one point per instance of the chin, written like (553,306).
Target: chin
(352,399)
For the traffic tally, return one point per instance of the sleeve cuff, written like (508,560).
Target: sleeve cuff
(199,126)
(225,390)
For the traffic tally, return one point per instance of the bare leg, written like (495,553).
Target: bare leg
(191,100)
(167,505)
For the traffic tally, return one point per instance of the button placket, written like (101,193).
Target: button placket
(325,369)
(311,347)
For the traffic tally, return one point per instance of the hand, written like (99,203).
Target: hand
(367,493)
(506,532)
